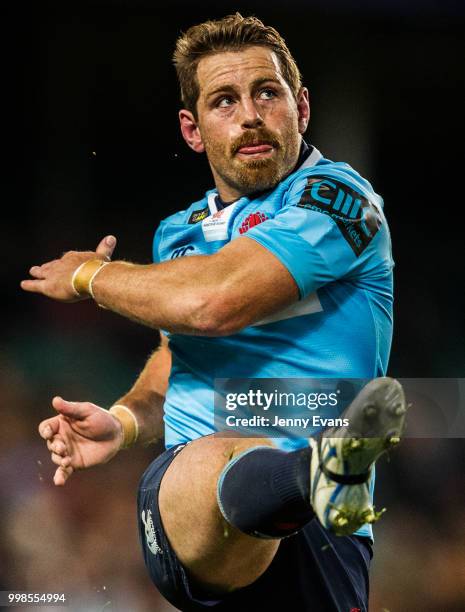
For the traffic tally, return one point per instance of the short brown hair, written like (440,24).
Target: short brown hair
(232,33)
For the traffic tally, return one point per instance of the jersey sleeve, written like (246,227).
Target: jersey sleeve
(327,230)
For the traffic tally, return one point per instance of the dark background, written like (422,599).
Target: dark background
(92,146)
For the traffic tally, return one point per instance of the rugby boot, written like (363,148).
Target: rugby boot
(343,457)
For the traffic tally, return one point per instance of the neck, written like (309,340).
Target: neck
(226,192)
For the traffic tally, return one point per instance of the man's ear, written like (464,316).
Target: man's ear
(190,131)
(303,108)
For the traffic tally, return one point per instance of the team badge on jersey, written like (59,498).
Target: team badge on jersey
(358,219)
(199,215)
(252,220)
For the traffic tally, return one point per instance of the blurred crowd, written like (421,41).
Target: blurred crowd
(81,539)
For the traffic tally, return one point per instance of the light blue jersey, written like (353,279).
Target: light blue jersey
(326,225)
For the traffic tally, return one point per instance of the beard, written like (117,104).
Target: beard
(248,176)
(256,175)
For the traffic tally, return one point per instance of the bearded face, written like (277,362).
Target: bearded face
(255,161)
(249,122)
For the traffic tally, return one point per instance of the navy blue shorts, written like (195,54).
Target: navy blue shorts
(312,571)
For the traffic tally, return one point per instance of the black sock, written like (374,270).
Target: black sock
(265,492)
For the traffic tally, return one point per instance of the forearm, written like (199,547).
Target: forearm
(166,296)
(206,295)
(146,398)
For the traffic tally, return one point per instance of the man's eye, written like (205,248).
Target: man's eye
(267,94)
(224,102)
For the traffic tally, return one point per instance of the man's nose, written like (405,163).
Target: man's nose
(251,117)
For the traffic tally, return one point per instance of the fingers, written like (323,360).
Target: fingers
(106,247)
(57,446)
(58,451)
(62,474)
(37,272)
(40,271)
(49,427)
(59,460)
(73,410)
(33,286)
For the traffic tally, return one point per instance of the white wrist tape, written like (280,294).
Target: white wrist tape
(128,422)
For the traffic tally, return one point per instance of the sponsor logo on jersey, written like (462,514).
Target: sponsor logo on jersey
(216,226)
(199,215)
(150,533)
(252,220)
(181,251)
(357,218)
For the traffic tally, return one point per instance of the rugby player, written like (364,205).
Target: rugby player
(284,269)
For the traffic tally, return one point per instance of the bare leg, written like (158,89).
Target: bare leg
(214,553)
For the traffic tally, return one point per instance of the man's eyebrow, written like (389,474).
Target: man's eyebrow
(221,89)
(262,80)
(231,89)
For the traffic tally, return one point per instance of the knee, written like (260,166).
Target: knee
(189,486)
(202,460)
(228,446)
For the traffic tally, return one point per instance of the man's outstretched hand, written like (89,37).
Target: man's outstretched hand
(80,436)
(53,278)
